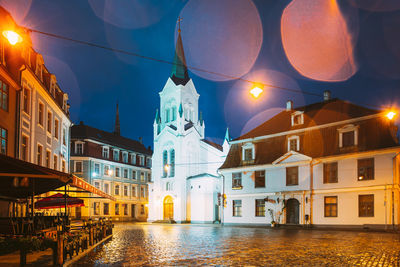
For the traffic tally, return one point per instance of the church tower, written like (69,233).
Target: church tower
(180,148)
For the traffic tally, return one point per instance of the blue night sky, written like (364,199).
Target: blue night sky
(238,38)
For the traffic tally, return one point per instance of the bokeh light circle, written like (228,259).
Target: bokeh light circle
(317,40)
(242,111)
(17,8)
(223,36)
(132,14)
(67,81)
(377,5)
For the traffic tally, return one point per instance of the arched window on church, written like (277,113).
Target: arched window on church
(167,118)
(172,163)
(165,162)
(167,186)
(173,113)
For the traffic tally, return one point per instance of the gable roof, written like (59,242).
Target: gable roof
(211,143)
(374,133)
(86,132)
(333,110)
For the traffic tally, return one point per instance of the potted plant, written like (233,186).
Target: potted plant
(271,213)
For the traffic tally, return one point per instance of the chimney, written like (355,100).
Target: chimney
(141,140)
(289,105)
(327,95)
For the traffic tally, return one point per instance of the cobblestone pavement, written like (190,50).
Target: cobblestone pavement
(188,245)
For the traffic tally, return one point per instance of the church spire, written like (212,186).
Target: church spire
(117,129)
(179,72)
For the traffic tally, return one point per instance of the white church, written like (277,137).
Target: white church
(185,184)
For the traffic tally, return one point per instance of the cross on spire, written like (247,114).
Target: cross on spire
(179,23)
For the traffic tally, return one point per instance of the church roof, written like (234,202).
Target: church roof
(211,143)
(179,72)
(201,175)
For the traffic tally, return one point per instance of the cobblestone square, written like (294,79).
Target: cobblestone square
(189,245)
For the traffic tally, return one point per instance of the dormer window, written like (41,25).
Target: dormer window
(348,136)
(79,148)
(297,118)
(248,153)
(293,143)
(116,154)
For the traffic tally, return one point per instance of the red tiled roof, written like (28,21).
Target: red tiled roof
(374,133)
(315,114)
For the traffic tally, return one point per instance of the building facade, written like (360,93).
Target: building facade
(184,167)
(331,163)
(116,165)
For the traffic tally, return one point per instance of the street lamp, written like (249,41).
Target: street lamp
(390,115)
(12,37)
(256,90)
(166,167)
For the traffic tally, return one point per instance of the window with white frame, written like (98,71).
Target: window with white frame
(56,126)
(125,157)
(134,193)
(97,184)
(237,180)
(125,173)
(142,178)
(297,118)
(348,136)
(141,158)
(79,148)
(116,190)
(55,162)
(125,190)
(248,153)
(107,170)
(107,188)
(134,174)
(78,166)
(117,172)
(133,158)
(293,143)
(106,152)
(116,155)
(96,169)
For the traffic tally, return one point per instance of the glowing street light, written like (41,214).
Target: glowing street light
(256,90)
(12,37)
(390,115)
(166,167)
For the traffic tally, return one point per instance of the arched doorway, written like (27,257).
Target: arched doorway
(168,208)
(292,211)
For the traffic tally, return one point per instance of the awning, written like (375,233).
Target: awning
(20,179)
(58,201)
(82,184)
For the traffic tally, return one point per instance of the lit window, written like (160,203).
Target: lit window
(260,207)
(294,143)
(39,154)
(365,169)
(366,206)
(49,120)
(48,158)
(237,208)
(165,163)
(331,206)
(107,170)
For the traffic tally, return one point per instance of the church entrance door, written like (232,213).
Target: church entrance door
(168,208)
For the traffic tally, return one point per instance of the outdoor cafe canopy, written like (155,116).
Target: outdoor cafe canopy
(20,179)
(58,201)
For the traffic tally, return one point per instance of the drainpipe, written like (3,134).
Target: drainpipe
(222,197)
(393,182)
(312,164)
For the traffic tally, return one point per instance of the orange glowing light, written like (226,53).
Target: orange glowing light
(390,115)
(317,40)
(256,91)
(12,37)
(166,167)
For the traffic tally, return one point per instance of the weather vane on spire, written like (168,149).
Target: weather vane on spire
(179,23)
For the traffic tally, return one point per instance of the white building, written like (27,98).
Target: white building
(331,163)
(44,122)
(184,166)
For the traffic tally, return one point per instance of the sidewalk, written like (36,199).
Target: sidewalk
(37,258)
